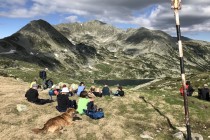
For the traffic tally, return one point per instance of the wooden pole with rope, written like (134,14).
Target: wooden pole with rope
(176,5)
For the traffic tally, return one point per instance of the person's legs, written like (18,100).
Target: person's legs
(39,102)
(50,97)
(43,101)
(44,83)
(74,104)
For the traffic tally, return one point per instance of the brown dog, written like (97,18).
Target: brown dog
(57,123)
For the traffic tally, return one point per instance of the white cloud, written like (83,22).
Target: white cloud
(71,19)
(194,14)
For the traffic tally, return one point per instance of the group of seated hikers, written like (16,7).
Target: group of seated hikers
(203,93)
(85,104)
(48,83)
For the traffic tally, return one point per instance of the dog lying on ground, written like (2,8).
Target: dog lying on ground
(57,123)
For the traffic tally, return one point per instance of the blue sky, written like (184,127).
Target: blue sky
(152,14)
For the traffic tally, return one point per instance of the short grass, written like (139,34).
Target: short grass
(155,110)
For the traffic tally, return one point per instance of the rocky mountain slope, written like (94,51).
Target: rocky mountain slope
(97,50)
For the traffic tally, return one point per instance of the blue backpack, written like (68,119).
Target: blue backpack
(95,114)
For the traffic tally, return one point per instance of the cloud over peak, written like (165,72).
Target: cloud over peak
(152,14)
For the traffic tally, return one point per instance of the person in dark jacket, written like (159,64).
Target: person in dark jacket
(204,93)
(32,95)
(119,91)
(190,89)
(43,76)
(106,91)
(64,102)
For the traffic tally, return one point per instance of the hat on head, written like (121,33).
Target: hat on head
(65,89)
(57,87)
(205,85)
(34,85)
(53,87)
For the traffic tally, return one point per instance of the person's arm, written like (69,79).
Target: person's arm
(37,94)
(26,95)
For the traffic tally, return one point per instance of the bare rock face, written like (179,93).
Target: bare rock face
(101,50)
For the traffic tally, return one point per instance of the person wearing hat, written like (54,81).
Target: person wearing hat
(64,102)
(32,95)
(33,82)
(204,93)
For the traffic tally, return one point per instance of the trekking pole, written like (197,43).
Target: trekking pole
(176,5)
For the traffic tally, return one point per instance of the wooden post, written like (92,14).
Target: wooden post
(176,5)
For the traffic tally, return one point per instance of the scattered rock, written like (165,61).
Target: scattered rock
(158,131)
(179,135)
(21,107)
(145,136)
(196,136)
(182,129)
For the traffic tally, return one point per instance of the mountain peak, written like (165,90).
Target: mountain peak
(39,21)
(97,22)
(37,24)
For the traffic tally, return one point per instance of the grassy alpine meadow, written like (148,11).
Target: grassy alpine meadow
(155,110)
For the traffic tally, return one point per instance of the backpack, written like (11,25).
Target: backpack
(95,114)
